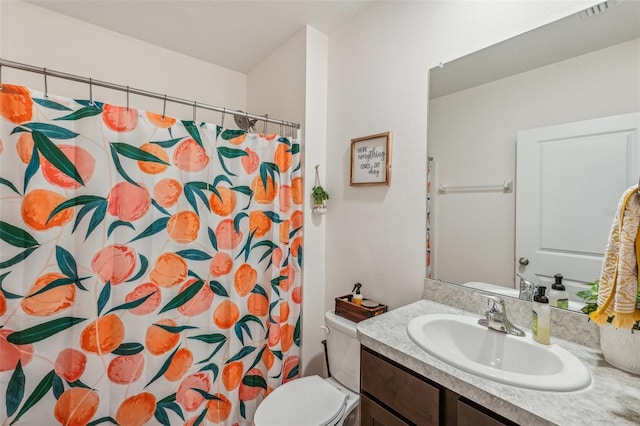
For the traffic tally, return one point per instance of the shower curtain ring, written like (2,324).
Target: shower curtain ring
(224,111)
(164,107)
(264,129)
(90,92)
(127,98)
(0,76)
(46,89)
(194,112)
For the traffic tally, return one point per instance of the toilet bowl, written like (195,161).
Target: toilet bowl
(308,401)
(312,400)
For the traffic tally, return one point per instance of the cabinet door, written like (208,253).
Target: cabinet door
(470,416)
(371,414)
(399,390)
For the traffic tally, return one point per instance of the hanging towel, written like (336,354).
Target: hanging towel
(617,294)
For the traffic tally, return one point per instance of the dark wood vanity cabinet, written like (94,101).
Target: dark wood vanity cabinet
(392,395)
(373,414)
(468,415)
(389,386)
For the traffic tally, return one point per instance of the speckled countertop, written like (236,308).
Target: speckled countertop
(613,398)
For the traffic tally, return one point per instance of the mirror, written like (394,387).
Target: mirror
(583,67)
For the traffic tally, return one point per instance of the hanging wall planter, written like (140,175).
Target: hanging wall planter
(320,195)
(320,209)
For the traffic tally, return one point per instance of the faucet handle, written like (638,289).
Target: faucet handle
(496,316)
(523,279)
(494,301)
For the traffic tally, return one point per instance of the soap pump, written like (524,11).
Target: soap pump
(558,295)
(541,317)
(356,299)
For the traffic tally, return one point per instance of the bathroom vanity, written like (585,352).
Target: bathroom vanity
(402,385)
(392,395)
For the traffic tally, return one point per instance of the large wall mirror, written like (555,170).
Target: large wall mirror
(581,70)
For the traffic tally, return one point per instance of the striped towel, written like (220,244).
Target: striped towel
(617,294)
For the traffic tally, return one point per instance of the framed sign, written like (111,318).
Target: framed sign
(371,160)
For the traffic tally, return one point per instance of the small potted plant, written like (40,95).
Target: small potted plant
(620,347)
(590,297)
(319,195)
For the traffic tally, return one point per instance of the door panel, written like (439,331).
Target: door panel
(568,182)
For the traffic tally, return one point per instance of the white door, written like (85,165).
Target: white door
(569,179)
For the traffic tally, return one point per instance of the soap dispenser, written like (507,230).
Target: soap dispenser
(558,295)
(541,317)
(356,299)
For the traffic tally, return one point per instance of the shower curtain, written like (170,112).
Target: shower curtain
(149,267)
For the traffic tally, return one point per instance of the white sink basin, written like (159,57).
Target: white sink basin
(518,361)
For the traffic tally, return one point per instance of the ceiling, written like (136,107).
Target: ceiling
(234,34)
(577,34)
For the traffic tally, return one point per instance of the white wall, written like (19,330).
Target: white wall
(291,83)
(315,137)
(483,151)
(36,36)
(378,65)
(276,86)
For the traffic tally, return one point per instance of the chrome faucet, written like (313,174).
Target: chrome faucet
(527,289)
(496,317)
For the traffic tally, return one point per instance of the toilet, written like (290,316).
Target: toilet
(312,400)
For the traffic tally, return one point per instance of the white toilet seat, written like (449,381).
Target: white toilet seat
(308,401)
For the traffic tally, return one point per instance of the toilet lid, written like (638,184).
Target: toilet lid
(308,401)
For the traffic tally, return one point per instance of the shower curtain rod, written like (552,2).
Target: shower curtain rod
(47,72)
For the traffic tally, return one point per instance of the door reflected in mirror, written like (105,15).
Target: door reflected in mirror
(577,69)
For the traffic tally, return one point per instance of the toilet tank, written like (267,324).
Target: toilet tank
(343,349)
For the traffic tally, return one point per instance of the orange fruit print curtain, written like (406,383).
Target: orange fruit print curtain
(149,267)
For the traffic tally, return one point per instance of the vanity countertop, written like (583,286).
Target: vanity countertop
(612,398)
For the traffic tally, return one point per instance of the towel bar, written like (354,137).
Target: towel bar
(506,187)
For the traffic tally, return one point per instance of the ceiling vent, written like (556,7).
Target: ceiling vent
(599,8)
